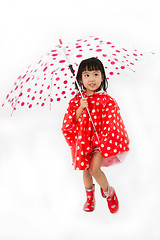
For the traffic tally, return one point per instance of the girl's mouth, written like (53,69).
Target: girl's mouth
(92,85)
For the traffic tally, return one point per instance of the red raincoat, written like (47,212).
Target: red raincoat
(109,125)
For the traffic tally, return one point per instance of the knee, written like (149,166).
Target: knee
(94,171)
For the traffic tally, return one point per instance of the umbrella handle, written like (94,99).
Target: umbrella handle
(93,126)
(86,107)
(72,71)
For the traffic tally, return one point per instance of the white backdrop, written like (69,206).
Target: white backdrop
(41,196)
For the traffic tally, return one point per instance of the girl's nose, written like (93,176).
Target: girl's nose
(91,78)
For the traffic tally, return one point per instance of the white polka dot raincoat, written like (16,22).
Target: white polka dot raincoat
(81,138)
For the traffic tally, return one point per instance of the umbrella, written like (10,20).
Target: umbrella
(52,79)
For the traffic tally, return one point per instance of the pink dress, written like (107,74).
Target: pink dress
(81,138)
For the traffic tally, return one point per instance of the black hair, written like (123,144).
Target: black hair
(91,64)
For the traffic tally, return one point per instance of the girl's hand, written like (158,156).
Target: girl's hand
(83,102)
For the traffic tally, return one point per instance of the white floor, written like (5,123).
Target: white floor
(41,196)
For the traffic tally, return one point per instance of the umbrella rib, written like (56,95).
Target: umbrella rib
(121,63)
(15,103)
(51,85)
(11,89)
(29,76)
(65,54)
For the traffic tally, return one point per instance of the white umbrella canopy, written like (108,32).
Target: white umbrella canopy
(49,79)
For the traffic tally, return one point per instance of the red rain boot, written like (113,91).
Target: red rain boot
(112,200)
(90,203)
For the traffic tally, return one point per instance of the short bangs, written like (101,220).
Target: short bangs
(90,64)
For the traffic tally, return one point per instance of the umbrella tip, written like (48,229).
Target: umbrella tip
(60,41)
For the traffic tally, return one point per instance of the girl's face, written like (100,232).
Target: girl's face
(92,80)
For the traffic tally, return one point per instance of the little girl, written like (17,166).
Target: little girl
(92,149)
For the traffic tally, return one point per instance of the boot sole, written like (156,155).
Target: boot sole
(88,210)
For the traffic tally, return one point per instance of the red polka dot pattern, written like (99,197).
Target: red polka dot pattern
(49,79)
(109,125)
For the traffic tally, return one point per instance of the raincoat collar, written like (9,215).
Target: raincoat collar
(101,92)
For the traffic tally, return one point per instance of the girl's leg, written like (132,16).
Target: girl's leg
(87,179)
(96,172)
(89,205)
(109,193)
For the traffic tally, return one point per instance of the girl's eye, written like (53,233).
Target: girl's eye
(86,75)
(96,74)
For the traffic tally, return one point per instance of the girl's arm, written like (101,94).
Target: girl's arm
(79,111)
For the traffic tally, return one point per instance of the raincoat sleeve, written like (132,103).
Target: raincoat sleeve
(69,125)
